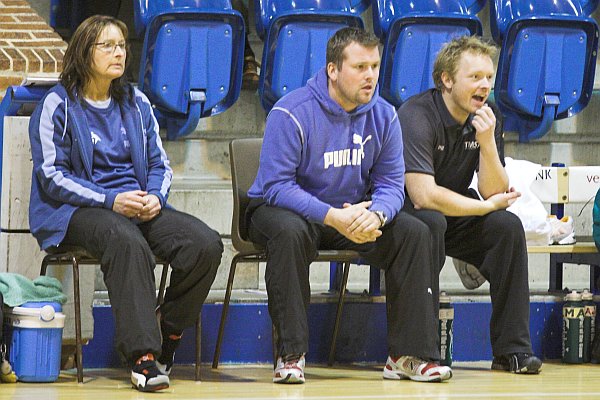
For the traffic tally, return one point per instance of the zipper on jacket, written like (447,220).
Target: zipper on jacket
(144,133)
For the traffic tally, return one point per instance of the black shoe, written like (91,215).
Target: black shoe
(146,377)
(167,356)
(519,363)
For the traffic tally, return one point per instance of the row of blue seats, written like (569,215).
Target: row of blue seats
(191,65)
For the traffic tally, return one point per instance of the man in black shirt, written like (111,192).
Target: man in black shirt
(449,133)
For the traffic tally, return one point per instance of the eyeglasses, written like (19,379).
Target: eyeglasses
(109,47)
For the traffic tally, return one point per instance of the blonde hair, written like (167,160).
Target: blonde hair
(449,56)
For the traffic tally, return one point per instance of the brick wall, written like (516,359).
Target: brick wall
(28,46)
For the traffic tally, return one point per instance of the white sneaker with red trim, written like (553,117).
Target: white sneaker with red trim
(289,369)
(413,368)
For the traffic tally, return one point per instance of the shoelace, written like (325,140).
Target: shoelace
(291,358)
(413,363)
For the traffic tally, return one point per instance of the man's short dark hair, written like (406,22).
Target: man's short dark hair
(344,37)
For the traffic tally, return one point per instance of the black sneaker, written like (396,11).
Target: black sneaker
(146,377)
(167,356)
(519,363)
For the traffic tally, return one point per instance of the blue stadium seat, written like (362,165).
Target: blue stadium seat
(412,33)
(295,35)
(547,61)
(191,64)
(359,6)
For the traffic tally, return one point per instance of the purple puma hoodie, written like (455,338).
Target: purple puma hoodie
(316,155)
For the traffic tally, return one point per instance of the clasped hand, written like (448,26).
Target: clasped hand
(137,204)
(355,222)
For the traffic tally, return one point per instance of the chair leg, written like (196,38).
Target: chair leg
(338,314)
(163,284)
(44,267)
(234,261)
(556,273)
(594,277)
(198,346)
(275,340)
(77,304)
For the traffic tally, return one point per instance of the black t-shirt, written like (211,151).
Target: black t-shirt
(435,144)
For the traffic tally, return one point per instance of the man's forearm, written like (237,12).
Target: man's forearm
(492,177)
(453,204)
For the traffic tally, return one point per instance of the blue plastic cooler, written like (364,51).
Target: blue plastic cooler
(35,336)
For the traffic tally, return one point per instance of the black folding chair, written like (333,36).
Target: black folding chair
(244,156)
(76,256)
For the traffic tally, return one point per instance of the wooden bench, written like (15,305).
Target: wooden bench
(583,252)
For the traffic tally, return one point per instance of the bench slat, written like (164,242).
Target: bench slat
(579,247)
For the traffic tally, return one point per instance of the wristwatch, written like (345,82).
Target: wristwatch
(382,217)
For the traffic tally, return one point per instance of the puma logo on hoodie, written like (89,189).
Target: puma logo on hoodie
(341,158)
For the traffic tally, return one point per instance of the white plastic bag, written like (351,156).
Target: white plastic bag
(528,207)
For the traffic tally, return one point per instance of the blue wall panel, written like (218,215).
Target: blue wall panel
(362,334)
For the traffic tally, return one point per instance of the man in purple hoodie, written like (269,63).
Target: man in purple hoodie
(331,176)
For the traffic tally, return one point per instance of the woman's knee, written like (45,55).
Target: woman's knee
(115,233)
(213,247)
(127,235)
(202,239)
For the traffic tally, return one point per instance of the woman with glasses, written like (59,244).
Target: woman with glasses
(101,179)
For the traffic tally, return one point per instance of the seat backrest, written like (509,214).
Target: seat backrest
(407,69)
(359,6)
(386,11)
(244,155)
(144,10)
(557,68)
(547,62)
(191,62)
(413,33)
(296,35)
(504,12)
(267,11)
(204,49)
(306,44)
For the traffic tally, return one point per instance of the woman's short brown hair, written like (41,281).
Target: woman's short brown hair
(449,56)
(77,63)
